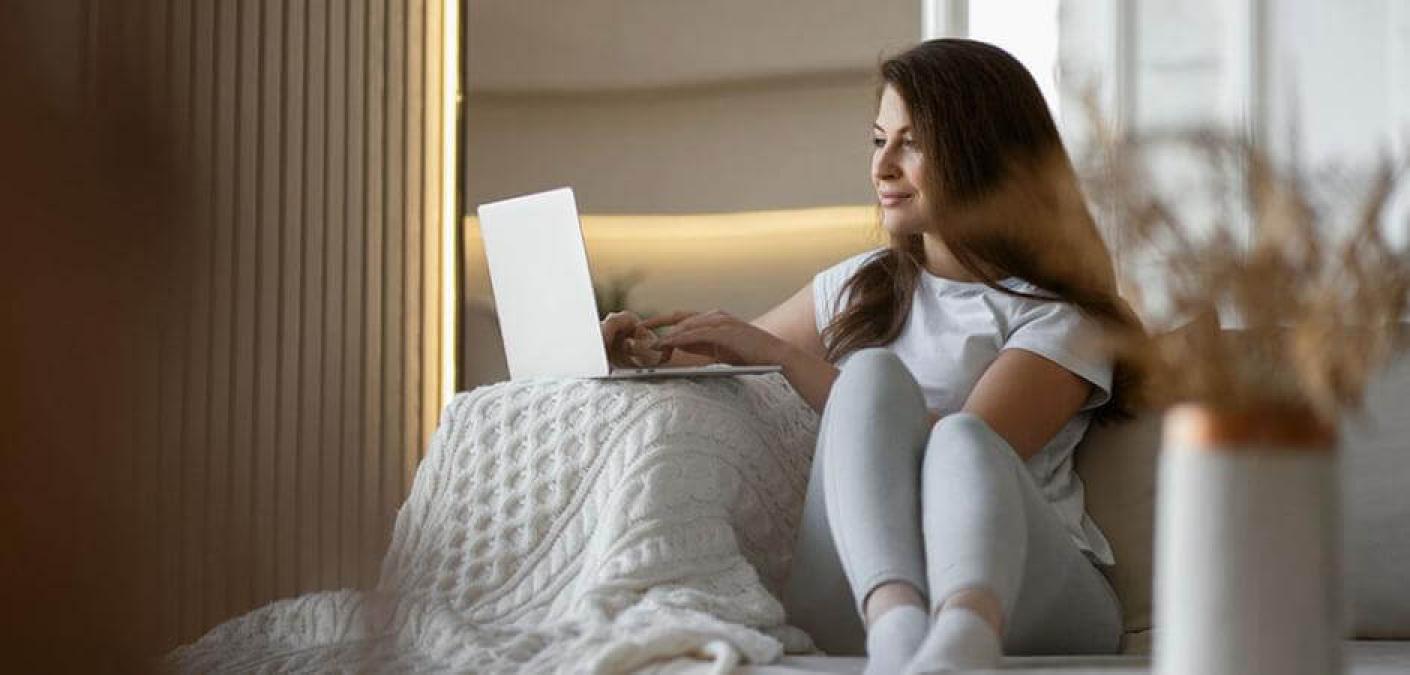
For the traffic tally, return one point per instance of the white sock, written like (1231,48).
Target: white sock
(959,639)
(893,637)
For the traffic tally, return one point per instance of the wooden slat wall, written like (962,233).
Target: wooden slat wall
(300,370)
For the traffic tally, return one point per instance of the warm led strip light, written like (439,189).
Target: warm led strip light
(450,102)
(694,226)
(689,245)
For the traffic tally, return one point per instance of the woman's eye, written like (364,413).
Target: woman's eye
(909,142)
(878,142)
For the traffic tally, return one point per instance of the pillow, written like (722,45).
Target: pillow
(1375,466)
(1117,464)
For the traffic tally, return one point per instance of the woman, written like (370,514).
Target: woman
(955,370)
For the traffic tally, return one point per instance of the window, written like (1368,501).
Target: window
(1028,29)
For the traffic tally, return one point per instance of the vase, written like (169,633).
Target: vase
(1247,543)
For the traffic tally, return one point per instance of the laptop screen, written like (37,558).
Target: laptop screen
(542,287)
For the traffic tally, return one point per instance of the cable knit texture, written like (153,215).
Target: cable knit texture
(573,526)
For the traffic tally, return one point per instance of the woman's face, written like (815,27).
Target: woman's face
(896,164)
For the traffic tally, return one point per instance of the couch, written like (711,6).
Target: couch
(1117,464)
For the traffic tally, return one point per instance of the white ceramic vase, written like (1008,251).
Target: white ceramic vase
(1247,578)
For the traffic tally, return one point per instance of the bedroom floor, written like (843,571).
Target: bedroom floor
(1363,657)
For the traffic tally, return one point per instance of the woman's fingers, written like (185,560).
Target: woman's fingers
(639,337)
(631,341)
(646,358)
(705,341)
(699,320)
(643,334)
(618,323)
(615,327)
(667,319)
(684,337)
(638,347)
(726,339)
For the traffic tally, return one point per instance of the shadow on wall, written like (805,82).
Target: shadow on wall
(484,346)
(90,209)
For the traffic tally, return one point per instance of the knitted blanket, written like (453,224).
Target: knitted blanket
(568,526)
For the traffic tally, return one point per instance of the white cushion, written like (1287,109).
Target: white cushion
(1376,506)
(1117,464)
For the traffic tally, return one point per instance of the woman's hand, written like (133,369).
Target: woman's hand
(719,336)
(630,342)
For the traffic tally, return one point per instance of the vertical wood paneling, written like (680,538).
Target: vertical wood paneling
(146,452)
(266,422)
(411,241)
(334,438)
(374,267)
(311,285)
(245,365)
(223,252)
(174,365)
(288,553)
(413,191)
(196,444)
(433,99)
(355,227)
(299,370)
(394,307)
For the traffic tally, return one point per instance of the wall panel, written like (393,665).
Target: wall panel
(299,368)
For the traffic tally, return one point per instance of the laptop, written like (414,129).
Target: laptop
(543,294)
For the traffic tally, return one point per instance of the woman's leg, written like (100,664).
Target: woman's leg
(861,518)
(991,538)
(874,428)
(817,597)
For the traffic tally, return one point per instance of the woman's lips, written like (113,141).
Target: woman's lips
(893,198)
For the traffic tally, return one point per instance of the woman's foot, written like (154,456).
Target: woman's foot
(893,637)
(959,639)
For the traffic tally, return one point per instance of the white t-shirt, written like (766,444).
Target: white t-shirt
(956,329)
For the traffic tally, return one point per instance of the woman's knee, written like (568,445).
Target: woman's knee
(877,381)
(962,424)
(874,364)
(872,355)
(965,441)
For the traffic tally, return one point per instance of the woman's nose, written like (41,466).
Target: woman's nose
(883,164)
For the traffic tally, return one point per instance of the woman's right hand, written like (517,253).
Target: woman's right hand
(629,343)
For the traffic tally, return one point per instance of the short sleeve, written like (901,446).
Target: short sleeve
(827,286)
(1064,335)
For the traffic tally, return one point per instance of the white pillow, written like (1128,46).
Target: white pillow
(1117,464)
(1376,506)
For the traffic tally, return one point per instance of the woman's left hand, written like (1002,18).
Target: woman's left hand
(718,335)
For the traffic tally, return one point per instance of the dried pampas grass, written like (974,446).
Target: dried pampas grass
(1262,288)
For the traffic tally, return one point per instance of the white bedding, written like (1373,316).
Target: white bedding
(569,526)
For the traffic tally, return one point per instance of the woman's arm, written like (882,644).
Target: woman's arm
(811,375)
(1027,399)
(785,335)
(802,352)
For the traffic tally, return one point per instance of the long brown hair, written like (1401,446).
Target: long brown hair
(1006,201)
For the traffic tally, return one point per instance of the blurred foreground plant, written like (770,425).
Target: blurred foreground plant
(1261,286)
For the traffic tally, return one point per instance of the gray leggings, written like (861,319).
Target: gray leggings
(944,509)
